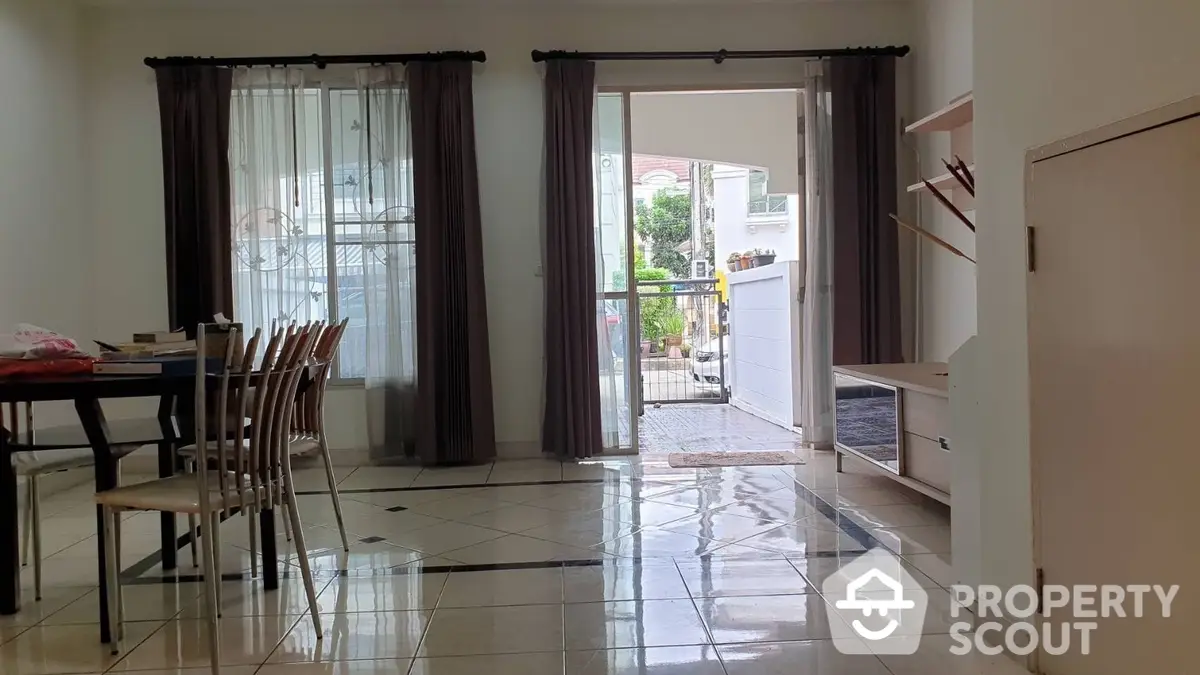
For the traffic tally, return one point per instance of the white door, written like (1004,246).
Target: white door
(1114,362)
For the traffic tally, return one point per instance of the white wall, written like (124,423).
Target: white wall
(125,195)
(750,128)
(45,231)
(1045,70)
(734,229)
(941,59)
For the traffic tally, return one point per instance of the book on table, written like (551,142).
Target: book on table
(157,365)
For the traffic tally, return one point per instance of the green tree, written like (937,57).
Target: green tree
(666,223)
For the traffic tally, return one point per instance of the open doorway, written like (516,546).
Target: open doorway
(706,333)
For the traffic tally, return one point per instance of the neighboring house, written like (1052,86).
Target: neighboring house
(747,217)
(651,174)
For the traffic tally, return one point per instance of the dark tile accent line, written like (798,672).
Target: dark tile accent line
(847,526)
(406,570)
(423,488)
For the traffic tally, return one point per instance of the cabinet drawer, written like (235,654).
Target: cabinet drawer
(926,461)
(926,415)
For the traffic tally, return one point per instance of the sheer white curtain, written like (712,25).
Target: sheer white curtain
(817,372)
(278,219)
(385,226)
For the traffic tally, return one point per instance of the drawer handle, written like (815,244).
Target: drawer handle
(945,444)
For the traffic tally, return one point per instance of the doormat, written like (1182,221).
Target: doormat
(696,460)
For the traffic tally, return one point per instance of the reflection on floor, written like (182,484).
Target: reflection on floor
(708,427)
(533,567)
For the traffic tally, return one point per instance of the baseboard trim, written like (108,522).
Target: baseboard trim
(518,449)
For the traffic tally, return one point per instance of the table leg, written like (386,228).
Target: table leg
(94,424)
(266,528)
(10,560)
(166,469)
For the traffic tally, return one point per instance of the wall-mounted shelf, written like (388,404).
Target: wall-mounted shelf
(943,182)
(958,113)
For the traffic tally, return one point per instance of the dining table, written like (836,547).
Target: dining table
(176,394)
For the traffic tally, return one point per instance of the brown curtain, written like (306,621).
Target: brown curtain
(454,373)
(571,425)
(193,106)
(866,254)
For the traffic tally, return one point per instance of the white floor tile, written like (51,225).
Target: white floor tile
(494,630)
(538,663)
(633,623)
(689,558)
(383,593)
(693,660)
(505,587)
(818,657)
(351,637)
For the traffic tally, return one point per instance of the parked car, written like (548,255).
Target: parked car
(706,366)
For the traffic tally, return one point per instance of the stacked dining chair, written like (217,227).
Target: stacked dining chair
(307,435)
(243,469)
(308,424)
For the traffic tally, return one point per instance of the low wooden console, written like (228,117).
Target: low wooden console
(897,418)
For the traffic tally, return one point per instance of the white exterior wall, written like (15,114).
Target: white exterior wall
(764,341)
(737,230)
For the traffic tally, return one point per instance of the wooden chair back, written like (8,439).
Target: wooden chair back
(249,476)
(309,418)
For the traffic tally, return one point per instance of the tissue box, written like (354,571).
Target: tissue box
(216,340)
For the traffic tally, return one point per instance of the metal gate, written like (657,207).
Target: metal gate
(684,349)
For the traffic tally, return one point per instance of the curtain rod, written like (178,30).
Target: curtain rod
(313,59)
(719,55)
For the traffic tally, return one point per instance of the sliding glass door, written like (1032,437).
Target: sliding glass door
(616,319)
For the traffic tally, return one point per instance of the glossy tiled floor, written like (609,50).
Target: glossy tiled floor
(521,568)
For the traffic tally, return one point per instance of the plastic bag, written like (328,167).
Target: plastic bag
(34,351)
(34,342)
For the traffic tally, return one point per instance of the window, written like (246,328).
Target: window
(314,238)
(761,203)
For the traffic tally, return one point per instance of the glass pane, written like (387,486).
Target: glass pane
(610,195)
(373,230)
(612,271)
(613,328)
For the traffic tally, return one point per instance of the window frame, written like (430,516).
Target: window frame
(766,200)
(332,243)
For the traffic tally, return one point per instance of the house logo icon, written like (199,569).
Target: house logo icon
(875,606)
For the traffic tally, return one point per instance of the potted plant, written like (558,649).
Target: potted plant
(759,258)
(672,327)
(744,261)
(732,261)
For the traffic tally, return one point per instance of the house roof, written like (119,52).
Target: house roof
(644,164)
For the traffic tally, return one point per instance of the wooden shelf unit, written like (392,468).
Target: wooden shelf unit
(959,112)
(957,119)
(943,182)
